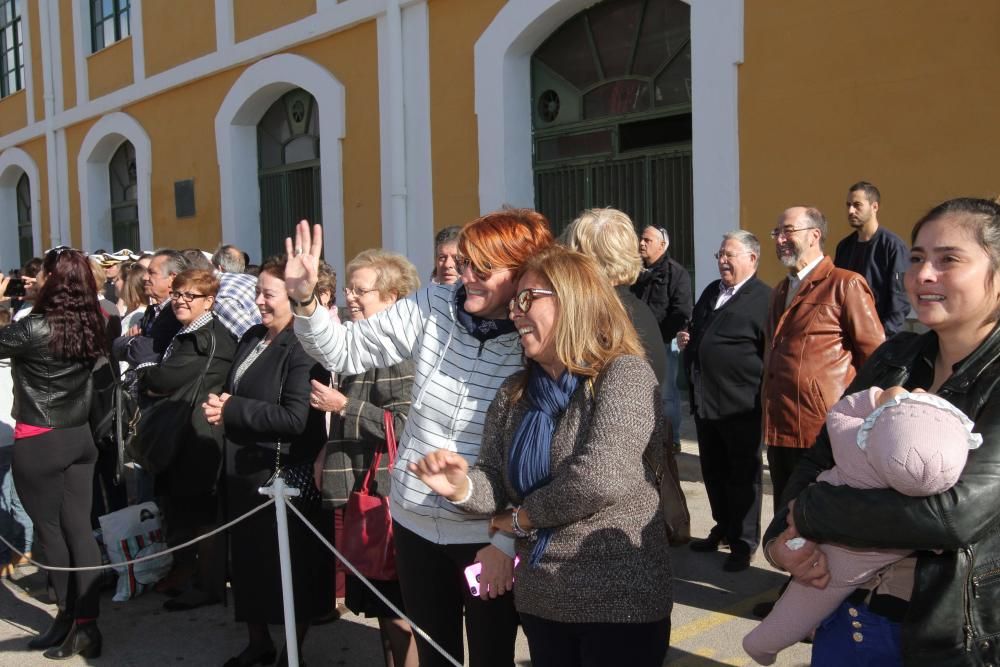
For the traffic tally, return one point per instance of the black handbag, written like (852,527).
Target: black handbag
(299,475)
(160,430)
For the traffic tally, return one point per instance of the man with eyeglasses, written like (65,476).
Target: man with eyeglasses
(665,286)
(724,361)
(877,254)
(822,326)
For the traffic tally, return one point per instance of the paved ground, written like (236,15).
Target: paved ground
(711,614)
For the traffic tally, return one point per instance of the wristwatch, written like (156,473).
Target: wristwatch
(303,304)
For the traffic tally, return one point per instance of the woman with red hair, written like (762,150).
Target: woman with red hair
(463,346)
(53,351)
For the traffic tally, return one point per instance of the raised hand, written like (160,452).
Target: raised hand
(445,472)
(302,264)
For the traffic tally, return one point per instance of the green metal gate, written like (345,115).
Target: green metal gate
(285,198)
(611,117)
(653,190)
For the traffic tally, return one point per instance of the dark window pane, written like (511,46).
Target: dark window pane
(654,132)
(614,25)
(615,98)
(674,85)
(575,145)
(665,29)
(568,54)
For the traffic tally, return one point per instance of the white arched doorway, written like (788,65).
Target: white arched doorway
(503,110)
(93,170)
(14,165)
(259,87)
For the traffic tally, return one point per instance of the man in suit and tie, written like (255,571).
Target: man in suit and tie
(724,362)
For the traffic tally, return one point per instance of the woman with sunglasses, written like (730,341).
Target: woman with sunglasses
(53,350)
(567,464)
(463,347)
(189,484)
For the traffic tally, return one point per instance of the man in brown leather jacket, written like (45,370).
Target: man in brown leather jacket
(822,326)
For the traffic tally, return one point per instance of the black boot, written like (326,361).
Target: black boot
(54,636)
(83,640)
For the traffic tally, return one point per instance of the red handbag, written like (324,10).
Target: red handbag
(368,543)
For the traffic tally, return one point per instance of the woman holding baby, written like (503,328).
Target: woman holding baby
(939,605)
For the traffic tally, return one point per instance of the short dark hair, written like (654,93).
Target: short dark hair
(31,267)
(871,192)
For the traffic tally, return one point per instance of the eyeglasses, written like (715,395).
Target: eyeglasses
(526,296)
(787,231)
(357,291)
(187,297)
(480,272)
(729,255)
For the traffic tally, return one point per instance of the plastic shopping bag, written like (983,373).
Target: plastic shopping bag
(130,533)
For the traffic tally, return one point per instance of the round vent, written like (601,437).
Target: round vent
(548,106)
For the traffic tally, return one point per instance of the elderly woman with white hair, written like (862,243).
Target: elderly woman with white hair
(608,235)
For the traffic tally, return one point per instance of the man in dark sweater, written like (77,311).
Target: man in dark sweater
(665,286)
(877,254)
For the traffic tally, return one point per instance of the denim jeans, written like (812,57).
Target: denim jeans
(855,636)
(671,396)
(15,526)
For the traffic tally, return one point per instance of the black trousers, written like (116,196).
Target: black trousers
(781,462)
(729,452)
(54,474)
(555,644)
(432,578)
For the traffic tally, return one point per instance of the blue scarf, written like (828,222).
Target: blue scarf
(530,462)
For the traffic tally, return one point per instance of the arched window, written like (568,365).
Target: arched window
(124,198)
(25,241)
(288,168)
(611,93)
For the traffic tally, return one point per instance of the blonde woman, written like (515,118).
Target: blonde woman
(566,465)
(608,235)
(376,279)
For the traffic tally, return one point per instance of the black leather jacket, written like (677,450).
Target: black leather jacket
(954,613)
(48,392)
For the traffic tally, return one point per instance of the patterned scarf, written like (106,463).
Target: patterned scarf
(529,466)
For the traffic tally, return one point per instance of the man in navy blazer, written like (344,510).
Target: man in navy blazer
(724,362)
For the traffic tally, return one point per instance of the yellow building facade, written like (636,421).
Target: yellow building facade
(186,123)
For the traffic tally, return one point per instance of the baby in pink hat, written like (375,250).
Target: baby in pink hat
(915,443)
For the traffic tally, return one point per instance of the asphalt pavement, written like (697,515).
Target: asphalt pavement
(711,613)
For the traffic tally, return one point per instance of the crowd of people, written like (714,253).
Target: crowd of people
(519,418)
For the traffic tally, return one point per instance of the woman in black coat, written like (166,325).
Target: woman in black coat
(189,486)
(266,408)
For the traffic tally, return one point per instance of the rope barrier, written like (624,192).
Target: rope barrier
(416,628)
(143,559)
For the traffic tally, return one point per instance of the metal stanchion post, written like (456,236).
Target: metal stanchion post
(278,490)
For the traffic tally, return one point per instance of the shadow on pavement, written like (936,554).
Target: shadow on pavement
(700,582)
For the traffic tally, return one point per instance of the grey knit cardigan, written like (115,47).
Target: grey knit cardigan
(608,559)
